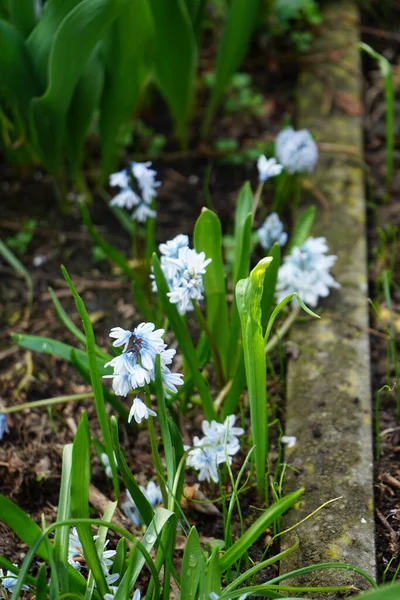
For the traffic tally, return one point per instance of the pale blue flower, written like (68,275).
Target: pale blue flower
(8,580)
(296,150)
(143,212)
(306,271)
(205,458)
(214,596)
(3,426)
(268,168)
(271,231)
(146,179)
(122,336)
(188,283)
(153,494)
(126,198)
(119,179)
(171,248)
(140,411)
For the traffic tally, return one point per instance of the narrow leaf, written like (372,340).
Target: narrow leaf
(302,229)
(191,566)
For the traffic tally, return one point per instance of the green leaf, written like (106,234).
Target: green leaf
(248,296)
(80,484)
(61,538)
(55,348)
(191,566)
(84,102)
(271,514)
(302,229)
(19,268)
(127,52)
(242,244)
(184,339)
(22,525)
(18,84)
(144,507)
(386,592)
(165,433)
(213,574)
(73,44)
(270,280)
(22,13)
(175,58)
(41,583)
(208,239)
(232,49)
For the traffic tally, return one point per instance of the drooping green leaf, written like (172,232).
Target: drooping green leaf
(18,84)
(270,515)
(128,59)
(208,239)
(84,102)
(23,15)
(248,296)
(175,58)
(73,44)
(22,525)
(233,46)
(302,228)
(183,338)
(80,484)
(191,566)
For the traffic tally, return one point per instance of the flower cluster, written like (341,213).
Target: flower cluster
(135,367)
(183,268)
(153,495)
(272,231)
(268,168)
(8,580)
(141,176)
(219,443)
(296,150)
(306,271)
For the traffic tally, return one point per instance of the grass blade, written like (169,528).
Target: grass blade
(61,538)
(19,268)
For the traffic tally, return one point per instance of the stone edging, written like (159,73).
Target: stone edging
(328,385)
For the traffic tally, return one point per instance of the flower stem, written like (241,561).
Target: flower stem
(256,200)
(46,402)
(284,328)
(214,348)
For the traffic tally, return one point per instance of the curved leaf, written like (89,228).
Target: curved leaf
(23,15)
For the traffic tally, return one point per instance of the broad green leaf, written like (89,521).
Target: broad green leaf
(270,280)
(232,49)
(22,13)
(144,507)
(80,484)
(242,245)
(22,525)
(175,57)
(386,592)
(191,566)
(248,297)
(41,583)
(73,44)
(55,348)
(271,514)
(95,380)
(184,339)
(41,39)
(128,59)
(213,574)
(84,102)
(17,79)
(208,239)
(301,229)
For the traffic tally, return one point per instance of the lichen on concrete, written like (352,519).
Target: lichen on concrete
(328,391)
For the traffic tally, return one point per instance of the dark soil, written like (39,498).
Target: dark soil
(30,455)
(384,244)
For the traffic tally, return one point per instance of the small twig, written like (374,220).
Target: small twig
(390,480)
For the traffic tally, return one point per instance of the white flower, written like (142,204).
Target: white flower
(296,150)
(171,248)
(3,426)
(189,285)
(205,459)
(153,494)
(121,383)
(146,179)
(8,580)
(171,380)
(75,550)
(140,411)
(268,168)
(106,464)
(214,596)
(289,440)
(120,179)
(122,337)
(127,198)
(143,212)
(271,231)
(306,271)
(148,343)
